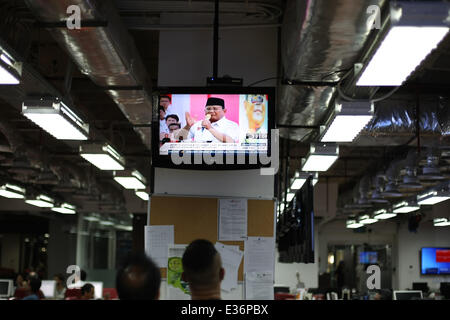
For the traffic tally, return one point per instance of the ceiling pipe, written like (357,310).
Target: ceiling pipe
(104,52)
(320,40)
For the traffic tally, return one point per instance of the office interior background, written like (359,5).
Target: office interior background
(310,51)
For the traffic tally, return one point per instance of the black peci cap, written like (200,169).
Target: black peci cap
(215,102)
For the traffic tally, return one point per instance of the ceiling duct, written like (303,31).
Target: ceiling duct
(431,171)
(395,121)
(410,180)
(105,53)
(392,175)
(320,39)
(379,182)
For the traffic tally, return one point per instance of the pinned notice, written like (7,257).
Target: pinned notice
(157,241)
(232,219)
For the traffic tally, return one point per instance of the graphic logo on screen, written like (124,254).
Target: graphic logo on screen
(435,261)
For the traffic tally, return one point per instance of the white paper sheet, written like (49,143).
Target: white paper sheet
(231,259)
(259,254)
(259,286)
(232,219)
(157,241)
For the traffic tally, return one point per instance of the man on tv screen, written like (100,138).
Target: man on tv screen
(215,127)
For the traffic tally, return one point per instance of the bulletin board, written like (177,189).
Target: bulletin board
(195,218)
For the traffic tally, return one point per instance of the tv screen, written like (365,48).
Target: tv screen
(368,257)
(216,127)
(435,261)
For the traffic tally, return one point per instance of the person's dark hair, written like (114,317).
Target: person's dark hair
(139,278)
(61,277)
(35,284)
(86,288)
(173,116)
(83,275)
(165,97)
(165,140)
(199,262)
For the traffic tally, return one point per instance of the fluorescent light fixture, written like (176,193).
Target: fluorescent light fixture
(124,228)
(106,223)
(8,73)
(65,208)
(103,156)
(353,224)
(130,179)
(432,197)
(91,218)
(300,178)
(41,201)
(383,214)
(347,121)
(281,207)
(441,222)
(56,118)
(366,219)
(142,194)
(12,191)
(290,196)
(416,29)
(321,157)
(405,207)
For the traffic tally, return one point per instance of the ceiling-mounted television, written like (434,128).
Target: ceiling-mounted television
(434,261)
(213,127)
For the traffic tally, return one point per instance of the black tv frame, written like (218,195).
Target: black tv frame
(420,260)
(164,161)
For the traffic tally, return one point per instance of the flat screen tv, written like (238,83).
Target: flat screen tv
(368,257)
(434,261)
(213,128)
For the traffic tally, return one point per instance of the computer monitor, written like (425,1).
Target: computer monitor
(408,295)
(98,285)
(6,288)
(422,286)
(48,288)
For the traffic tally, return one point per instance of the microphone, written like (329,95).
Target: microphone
(208,116)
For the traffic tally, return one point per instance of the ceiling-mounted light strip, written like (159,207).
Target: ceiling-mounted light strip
(347,121)
(124,227)
(300,178)
(142,194)
(103,156)
(441,222)
(290,196)
(353,224)
(41,201)
(12,191)
(366,219)
(405,207)
(92,218)
(65,208)
(432,197)
(321,157)
(9,70)
(416,28)
(56,118)
(383,214)
(130,179)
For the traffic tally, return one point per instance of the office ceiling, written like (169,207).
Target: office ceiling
(319,40)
